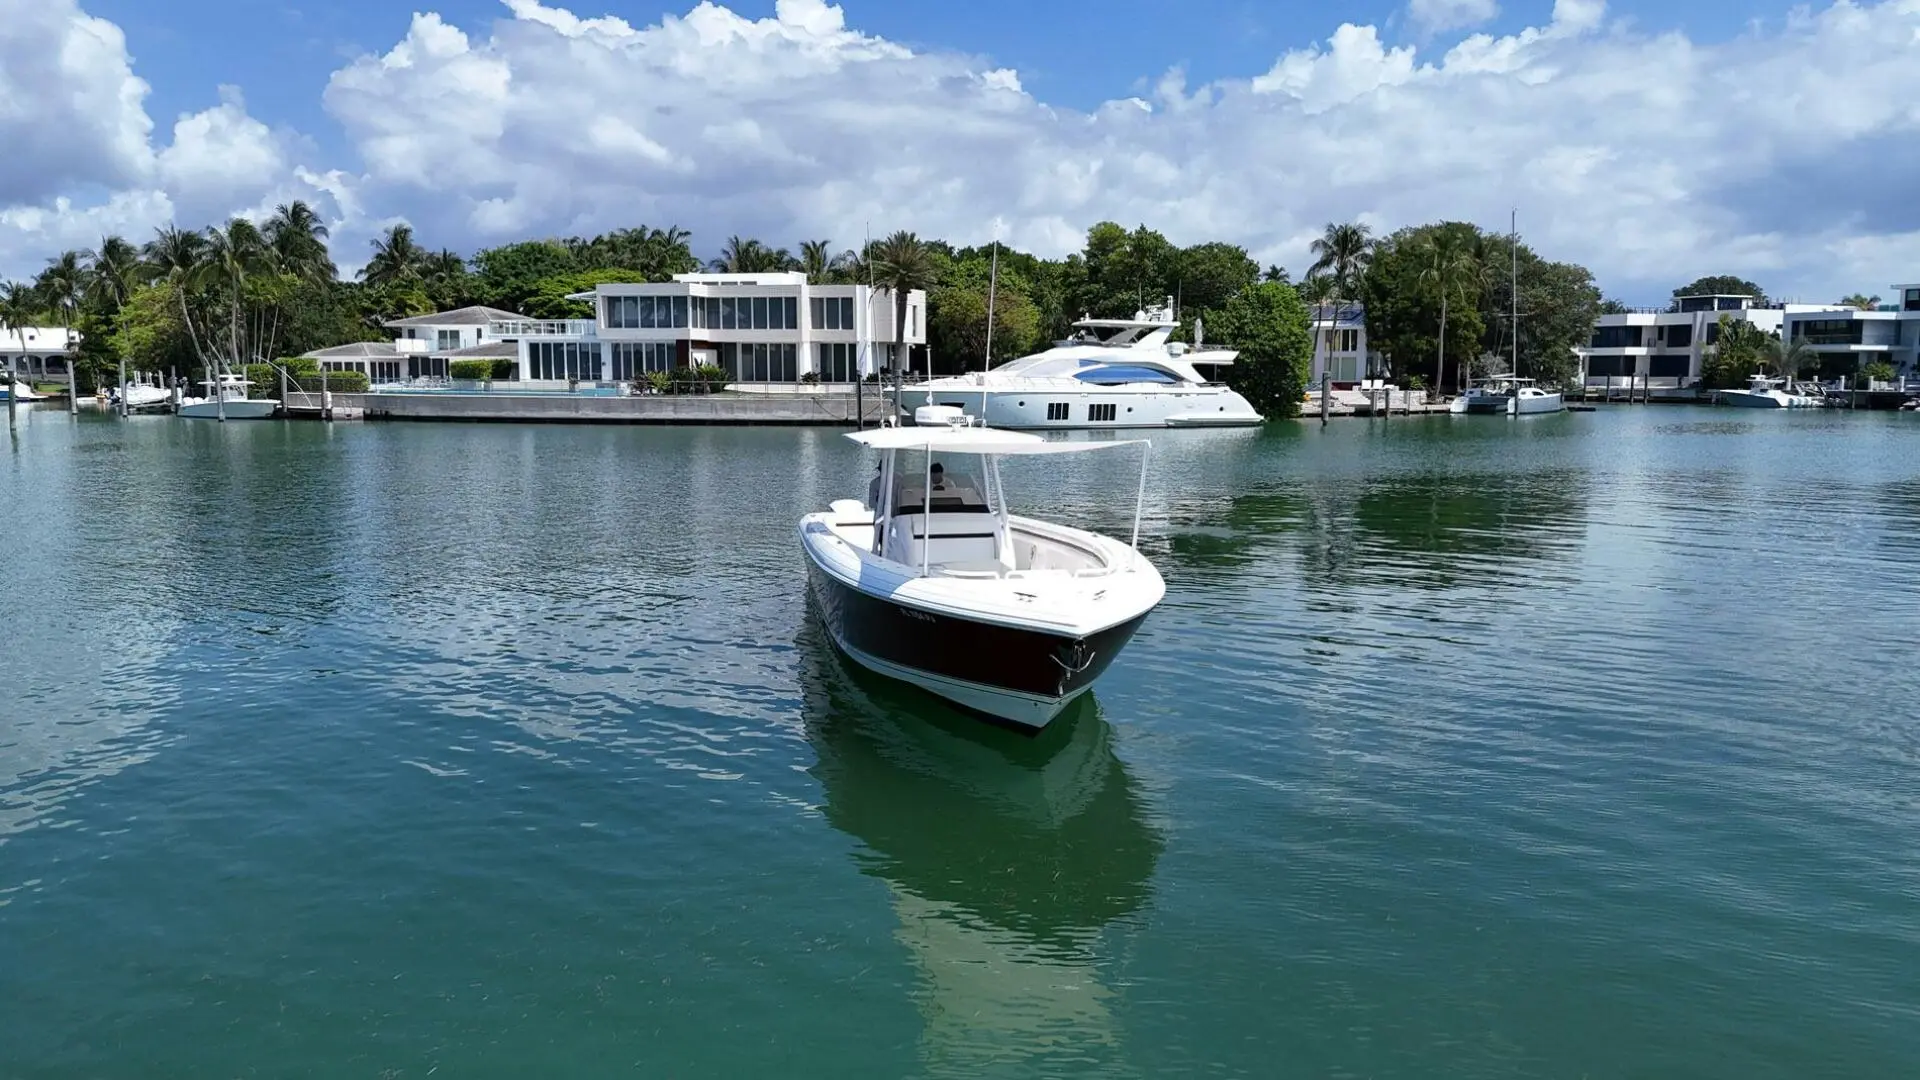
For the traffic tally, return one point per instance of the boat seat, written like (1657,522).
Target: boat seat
(945,539)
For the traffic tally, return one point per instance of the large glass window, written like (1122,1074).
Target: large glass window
(1669,366)
(790,313)
(817,313)
(1679,337)
(1616,337)
(1912,301)
(837,361)
(727,313)
(647,309)
(1828,331)
(679,312)
(760,313)
(446,340)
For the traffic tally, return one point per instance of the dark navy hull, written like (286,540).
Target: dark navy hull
(1023,676)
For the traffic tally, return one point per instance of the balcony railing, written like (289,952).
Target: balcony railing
(527,328)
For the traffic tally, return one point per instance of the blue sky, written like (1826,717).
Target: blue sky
(1652,142)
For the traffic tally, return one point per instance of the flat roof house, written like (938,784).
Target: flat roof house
(1663,347)
(1848,339)
(761,328)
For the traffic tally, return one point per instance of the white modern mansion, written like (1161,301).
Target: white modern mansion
(761,328)
(1848,339)
(1662,347)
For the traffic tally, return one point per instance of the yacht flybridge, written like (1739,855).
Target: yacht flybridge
(932,580)
(1111,373)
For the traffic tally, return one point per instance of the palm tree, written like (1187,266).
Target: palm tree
(179,256)
(820,263)
(1790,358)
(396,258)
(902,264)
(114,271)
(1343,252)
(747,256)
(1449,270)
(232,254)
(1863,302)
(62,285)
(298,239)
(444,273)
(19,305)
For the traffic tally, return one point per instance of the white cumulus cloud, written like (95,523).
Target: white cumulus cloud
(1647,154)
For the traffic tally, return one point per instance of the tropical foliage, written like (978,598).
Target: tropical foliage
(1722,285)
(1457,280)
(244,290)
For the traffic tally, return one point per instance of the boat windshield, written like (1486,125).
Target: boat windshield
(953,492)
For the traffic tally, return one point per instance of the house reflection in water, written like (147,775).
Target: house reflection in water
(1006,856)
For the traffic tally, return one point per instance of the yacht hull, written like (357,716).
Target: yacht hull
(1049,409)
(1536,405)
(1773,399)
(1021,676)
(252,409)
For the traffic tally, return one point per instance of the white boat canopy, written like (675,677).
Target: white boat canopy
(971,440)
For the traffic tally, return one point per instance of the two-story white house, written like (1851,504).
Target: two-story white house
(761,328)
(1849,339)
(1340,345)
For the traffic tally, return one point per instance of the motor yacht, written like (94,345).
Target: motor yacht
(1111,373)
(1766,392)
(227,400)
(1506,395)
(933,581)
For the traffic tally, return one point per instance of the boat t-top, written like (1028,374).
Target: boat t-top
(1507,395)
(1769,392)
(933,581)
(1110,373)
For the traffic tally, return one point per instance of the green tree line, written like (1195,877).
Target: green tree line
(1436,295)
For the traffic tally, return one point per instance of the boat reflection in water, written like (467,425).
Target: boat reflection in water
(1007,856)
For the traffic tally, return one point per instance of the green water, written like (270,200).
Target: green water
(1584,746)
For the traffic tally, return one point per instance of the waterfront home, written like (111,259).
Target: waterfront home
(424,346)
(1849,339)
(1662,348)
(760,328)
(37,353)
(1340,344)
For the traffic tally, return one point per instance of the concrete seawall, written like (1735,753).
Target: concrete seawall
(824,409)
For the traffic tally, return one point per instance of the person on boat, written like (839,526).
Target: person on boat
(938,474)
(873,489)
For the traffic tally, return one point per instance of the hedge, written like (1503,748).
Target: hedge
(471,370)
(339,382)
